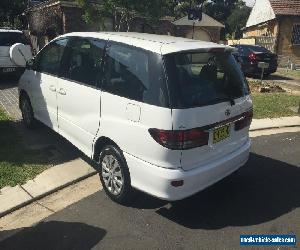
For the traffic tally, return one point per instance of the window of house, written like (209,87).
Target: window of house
(296,34)
(49,59)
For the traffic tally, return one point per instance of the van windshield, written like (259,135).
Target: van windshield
(198,79)
(10,38)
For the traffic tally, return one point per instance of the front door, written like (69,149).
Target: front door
(44,79)
(78,93)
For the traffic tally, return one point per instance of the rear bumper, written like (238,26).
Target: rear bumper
(254,69)
(18,71)
(156,181)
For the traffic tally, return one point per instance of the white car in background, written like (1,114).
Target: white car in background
(165,115)
(8,38)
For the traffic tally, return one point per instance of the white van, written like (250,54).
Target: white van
(165,115)
(9,37)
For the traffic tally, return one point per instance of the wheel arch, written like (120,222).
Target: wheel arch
(100,143)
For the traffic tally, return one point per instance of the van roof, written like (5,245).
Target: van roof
(161,44)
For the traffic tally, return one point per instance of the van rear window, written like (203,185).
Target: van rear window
(10,38)
(198,79)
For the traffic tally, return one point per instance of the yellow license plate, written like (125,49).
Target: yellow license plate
(221,133)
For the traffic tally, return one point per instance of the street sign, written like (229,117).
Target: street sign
(263,66)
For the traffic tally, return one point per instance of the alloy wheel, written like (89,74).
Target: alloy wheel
(112,174)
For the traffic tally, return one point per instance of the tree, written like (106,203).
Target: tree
(232,13)
(123,11)
(11,12)
(237,20)
(220,9)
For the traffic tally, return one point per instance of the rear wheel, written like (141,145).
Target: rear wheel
(27,112)
(114,175)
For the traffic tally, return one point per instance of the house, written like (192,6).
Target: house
(48,19)
(275,24)
(208,29)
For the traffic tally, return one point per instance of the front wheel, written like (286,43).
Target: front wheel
(27,112)
(114,175)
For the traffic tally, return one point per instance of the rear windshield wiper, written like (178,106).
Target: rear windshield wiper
(228,99)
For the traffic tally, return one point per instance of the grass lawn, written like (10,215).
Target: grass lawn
(293,74)
(17,164)
(270,105)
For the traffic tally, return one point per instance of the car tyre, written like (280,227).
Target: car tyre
(114,175)
(27,112)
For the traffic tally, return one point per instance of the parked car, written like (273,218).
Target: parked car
(249,57)
(165,115)
(8,38)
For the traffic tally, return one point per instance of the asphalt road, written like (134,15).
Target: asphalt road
(262,198)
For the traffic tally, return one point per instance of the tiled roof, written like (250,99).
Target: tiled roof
(286,7)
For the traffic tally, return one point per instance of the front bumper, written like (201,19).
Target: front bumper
(156,181)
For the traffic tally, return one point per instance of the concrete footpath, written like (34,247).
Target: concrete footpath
(63,175)
(50,181)
(260,124)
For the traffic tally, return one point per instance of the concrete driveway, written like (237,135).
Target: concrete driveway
(56,149)
(262,198)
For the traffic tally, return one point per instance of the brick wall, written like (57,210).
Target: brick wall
(44,25)
(267,29)
(285,46)
(72,19)
(46,21)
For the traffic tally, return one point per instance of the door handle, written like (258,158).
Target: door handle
(52,88)
(62,92)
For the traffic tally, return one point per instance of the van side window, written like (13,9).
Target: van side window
(49,59)
(126,72)
(135,74)
(84,61)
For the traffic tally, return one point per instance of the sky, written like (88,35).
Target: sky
(249,2)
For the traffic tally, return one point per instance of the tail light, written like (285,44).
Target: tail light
(180,139)
(252,57)
(245,121)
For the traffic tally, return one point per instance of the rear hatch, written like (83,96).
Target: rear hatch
(7,39)
(261,54)
(210,103)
